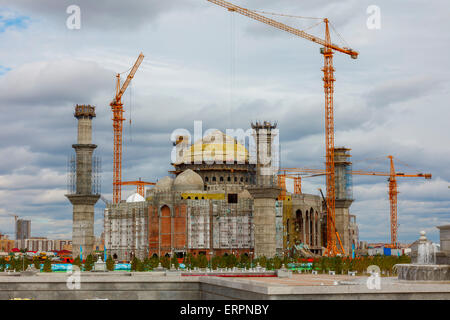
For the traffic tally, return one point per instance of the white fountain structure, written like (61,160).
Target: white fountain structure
(423,266)
(426,252)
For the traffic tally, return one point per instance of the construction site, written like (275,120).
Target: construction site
(224,196)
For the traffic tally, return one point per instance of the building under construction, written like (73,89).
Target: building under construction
(218,201)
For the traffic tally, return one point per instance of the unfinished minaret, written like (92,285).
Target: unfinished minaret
(83,197)
(343,187)
(265,192)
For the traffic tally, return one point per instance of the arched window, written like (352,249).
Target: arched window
(229,179)
(299,218)
(214,179)
(206,179)
(235,179)
(242,179)
(287,230)
(221,179)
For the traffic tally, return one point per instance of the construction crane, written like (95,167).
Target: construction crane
(327,50)
(140,185)
(393,188)
(282,184)
(334,224)
(117,109)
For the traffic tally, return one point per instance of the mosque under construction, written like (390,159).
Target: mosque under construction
(217,201)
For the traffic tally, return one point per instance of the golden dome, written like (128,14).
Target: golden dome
(216,147)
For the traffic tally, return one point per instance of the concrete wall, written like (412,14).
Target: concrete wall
(155,286)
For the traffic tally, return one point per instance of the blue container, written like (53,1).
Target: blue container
(122,267)
(387,251)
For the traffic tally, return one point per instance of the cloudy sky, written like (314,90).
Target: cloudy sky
(205,63)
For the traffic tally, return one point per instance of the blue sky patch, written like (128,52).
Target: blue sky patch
(10,19)
(4,70)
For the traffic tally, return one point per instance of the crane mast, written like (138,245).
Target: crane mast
(327,50)
(393,188)
(117,109)
(393,191)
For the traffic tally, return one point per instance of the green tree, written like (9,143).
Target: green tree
(231,261)
(244,261)
(89,263)
(165,262)
(47,266)
(135,264)
(146,264)
(262,261)
(2,264)
(174,261)
(110,263)
(277,263)
(36,263)
(77,262)
(153,262)
(215,261)
(189,261)
(202,261)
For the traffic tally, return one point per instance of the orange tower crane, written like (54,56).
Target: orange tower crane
(282,184)
(117,109)
(328,49)
(393,188)
(140,185)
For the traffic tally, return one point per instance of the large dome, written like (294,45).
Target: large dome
(135,197)
(165,184)
(188,180)
(215,147)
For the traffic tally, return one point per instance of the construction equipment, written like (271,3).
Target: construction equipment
(140,185)
(393,188)
(282,184)
(334,224)
(117,109)
(327,50)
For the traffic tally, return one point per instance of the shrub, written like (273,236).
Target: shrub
(36,263)
(77,262)
(153,262)
(135,264)
(110,263)
(89,263)
(47,266)
(202,261)
(165,262)
(174,261)
(215,261)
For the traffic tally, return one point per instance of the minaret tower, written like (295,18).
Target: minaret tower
(84,199)
(265,192)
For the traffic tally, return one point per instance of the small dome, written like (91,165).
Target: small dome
(135,197)
(244,194)
(188,180)
(165,184)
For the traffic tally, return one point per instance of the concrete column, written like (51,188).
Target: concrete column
(83,223)
(342,223)
(304,227)
(264,220)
